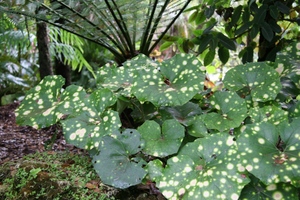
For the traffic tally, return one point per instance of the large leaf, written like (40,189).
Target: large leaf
(115,164)
(120,79)
(45,105)
(231,111)
(173,83)
(184,113)
(259,80)
(161,142)
(204,169)
(85,128)
(257,190)
(271,154)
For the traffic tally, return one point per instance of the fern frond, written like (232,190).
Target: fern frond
(115,25)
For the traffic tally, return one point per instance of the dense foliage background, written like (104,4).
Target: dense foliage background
(200,98)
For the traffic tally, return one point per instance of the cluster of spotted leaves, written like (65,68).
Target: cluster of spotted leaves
(240,146)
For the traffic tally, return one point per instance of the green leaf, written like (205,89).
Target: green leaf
(200,17)
(193,16)
(257,190)
(183,113)
(243,28)
(267,31)
(226,42)
(254,31)
(209,11)
(260,15)
(231,111)
(236,15)
(115,164)
(274,12)
(247,55)
(174,82)
(223,54)
(204,169)
(259,79)
(209,57)
(272,114)
(120,79)
(246,15)
(44,105)
(203,42)
(85,128)
(161,142)
(165,45)
(196,127)
(282,7)
(267,156)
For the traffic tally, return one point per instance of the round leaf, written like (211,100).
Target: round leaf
(85,128)
(231,111)
(269,157)
(260,80)
(161,142)
(204,169)
(173,83)
(257,190)
(114,163)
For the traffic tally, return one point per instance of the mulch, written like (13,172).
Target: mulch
(17,141)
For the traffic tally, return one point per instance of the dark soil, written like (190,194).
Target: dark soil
(17,141)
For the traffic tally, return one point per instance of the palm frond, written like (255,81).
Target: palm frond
(115,25)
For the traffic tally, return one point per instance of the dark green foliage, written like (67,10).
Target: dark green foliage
(233,143)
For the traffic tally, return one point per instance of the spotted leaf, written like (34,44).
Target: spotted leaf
(174,82)
(231,110)
(85,128)
(207,168)
(272,114)
(162,141)
(270,153)
(45,104)
(258,80)
(257,190)
(120,79)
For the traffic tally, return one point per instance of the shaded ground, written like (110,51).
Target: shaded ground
(17,141)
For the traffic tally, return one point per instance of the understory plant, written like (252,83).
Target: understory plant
(150,122)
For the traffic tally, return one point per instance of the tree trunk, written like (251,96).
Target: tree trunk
(63,70)
(43,47)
